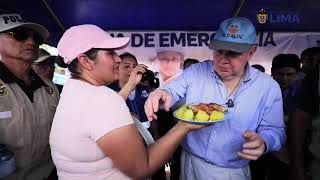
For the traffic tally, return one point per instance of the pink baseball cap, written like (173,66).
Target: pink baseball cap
(80,39)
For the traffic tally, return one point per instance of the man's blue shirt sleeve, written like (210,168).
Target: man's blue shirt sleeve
(271,127)
(178,88)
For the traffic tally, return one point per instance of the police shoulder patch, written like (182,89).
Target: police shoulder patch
(3,90)
(49,90)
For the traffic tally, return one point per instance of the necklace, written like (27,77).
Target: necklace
(236,86)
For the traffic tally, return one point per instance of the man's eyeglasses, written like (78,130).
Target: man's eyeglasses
(24,34)
(227,54)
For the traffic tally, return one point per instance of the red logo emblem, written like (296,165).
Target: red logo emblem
(233,29)
(233,32)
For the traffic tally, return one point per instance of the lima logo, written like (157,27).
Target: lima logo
(278,17)
(262,16)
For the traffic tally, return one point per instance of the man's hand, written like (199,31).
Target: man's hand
(254,146)
(152,104)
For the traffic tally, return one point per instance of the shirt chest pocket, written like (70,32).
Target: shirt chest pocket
(241,119)
(44,107)
(44,116)
(11,126)
(5,115)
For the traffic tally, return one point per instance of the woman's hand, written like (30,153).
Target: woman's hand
(189,126)
(134,79)
(136,74)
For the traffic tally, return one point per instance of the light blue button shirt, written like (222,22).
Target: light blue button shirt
(257,107)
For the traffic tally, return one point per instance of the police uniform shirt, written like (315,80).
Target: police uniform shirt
(26,114)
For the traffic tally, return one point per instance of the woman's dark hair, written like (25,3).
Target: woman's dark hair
(73,66)
(128,55)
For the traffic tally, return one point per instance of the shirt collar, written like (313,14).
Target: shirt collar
(248,75)
(8,77)
(162,82)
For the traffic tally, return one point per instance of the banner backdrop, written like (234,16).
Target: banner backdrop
(194,44)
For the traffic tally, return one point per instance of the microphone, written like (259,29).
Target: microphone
(230,103)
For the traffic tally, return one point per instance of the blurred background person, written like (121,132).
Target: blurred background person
(188,62)
(136,94)
(310,58)
(44,66)
(304,120)
(170,61)
(284,70)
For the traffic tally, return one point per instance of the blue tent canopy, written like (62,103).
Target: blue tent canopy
(58,15)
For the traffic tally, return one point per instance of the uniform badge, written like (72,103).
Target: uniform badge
(49,90)
(3,90)
(144,94)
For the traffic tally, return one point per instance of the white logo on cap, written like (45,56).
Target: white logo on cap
(13,19)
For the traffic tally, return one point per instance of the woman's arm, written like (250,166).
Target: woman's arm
(125,147)
(135,78)
(126,90)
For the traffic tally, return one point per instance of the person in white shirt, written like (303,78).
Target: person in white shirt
(169,63)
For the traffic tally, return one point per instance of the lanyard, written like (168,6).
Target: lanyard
(319,85)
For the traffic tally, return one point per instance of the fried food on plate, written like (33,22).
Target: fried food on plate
(208,108)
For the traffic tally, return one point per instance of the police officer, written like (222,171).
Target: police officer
(27,102)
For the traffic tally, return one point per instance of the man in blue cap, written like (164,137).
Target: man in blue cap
(254,121)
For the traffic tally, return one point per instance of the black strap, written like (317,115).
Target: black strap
(319,85)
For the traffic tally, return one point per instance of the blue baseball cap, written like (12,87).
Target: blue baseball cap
(234,34)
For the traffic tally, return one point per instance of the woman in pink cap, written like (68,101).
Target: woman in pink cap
(93,135)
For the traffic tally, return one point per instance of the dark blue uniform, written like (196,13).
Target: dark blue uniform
(136,105)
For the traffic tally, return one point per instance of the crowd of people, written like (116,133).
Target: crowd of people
(86,129)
